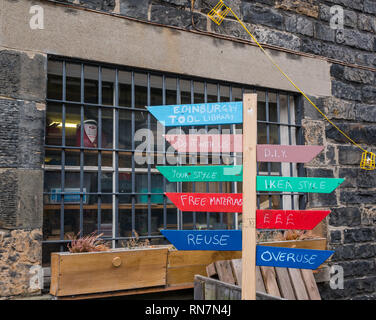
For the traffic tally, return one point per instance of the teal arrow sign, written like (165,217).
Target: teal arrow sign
(201,173)
(297,184)
(235,173)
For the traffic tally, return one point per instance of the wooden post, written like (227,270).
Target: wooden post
(249,197)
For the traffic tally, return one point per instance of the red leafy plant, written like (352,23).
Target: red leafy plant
(89,243)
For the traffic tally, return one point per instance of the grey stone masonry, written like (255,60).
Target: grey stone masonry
(22,120)
(303,26)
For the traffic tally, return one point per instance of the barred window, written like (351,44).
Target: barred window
(92,182)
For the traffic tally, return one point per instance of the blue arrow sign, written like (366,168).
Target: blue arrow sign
(291,257)
(231,240)
(200,114)
(218,240)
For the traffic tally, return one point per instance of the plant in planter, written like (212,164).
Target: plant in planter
(135,242)
(89,243)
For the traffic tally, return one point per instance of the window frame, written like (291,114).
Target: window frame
(293,134)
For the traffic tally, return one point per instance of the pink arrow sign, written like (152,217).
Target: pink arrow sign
(216,143)
(195,143)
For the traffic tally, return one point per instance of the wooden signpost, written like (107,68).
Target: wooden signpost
(245,240)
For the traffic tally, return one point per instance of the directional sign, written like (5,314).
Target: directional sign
(263,183)
(226,202)
(231,240)
(227,240)
(199,114)
(291,258)
(280,153)
(232,202)
(207,202)
(216,143)
(201,173)
(289,219)
(297,184)
(211,143)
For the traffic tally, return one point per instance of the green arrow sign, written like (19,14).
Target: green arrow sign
(235,173)
(297,184)
(202,173)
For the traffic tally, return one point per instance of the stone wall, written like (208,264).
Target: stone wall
(298,25)
(22,117)
(304,26)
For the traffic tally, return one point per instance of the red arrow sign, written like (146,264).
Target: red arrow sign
(207,202)
(289,219)
(215,143)
(232,202)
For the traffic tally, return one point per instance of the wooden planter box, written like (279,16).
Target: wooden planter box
(140,270)
(93,272)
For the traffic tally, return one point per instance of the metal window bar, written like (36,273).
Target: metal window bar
(99,174)
(115,149)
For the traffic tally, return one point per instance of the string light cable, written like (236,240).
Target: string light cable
(217,15)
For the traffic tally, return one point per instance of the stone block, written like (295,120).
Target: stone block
(308,8)
(364,251)
(357,178)
(20,262)
(346,91)
(347,216)
(299,24)
(277,38)
(324,32)
(359,197)
(21,198)
(21,134)
(365,59)
(357,39)
(356,235)
(364,112)
(319,173)
(335,236)
(174,16)
(370,6)
(311,46)
(314,132)
(349,155)
(361,133)
(369,94)
(367,23)
(358,75)
(103,5)
(135,8)
(339,109)
(258,14)
(369,216)
(343,252)
(322,200)
(358,268)
(338,52)
(23,76)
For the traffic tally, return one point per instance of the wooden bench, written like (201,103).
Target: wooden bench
(287,283)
